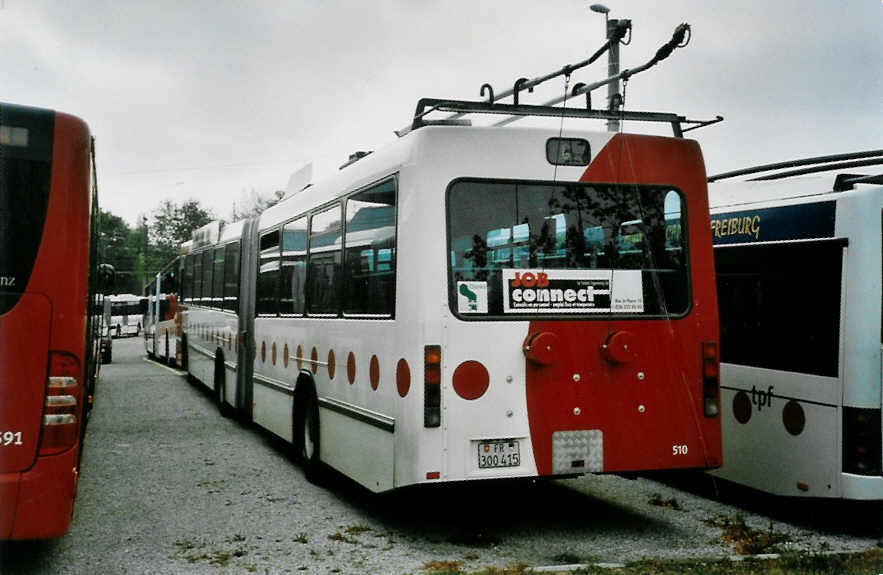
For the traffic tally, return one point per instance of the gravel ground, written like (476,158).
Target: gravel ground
(169,486)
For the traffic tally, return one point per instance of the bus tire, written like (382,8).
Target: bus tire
(184,365)
(220,387)
(306,434)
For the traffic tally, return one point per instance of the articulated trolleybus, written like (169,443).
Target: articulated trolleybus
(49,315)
(473,303)
(798,260)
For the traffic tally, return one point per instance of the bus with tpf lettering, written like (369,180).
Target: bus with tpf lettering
(472,303)
(50,315)
(798,259)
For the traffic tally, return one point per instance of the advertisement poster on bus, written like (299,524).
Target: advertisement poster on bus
(554,291)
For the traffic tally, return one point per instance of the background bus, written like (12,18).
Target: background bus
(799,283)
(162,318)
(126,311)
(472,303)
(49,327)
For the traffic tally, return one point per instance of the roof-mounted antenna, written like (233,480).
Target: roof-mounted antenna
(355,157)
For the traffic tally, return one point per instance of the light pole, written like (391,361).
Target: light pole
(613,94)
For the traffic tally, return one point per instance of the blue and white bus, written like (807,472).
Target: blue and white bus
(798,263)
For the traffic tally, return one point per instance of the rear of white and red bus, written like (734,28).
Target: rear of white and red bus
(45,214)
(582,333)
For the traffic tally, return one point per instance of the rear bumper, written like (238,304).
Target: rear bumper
(38,503)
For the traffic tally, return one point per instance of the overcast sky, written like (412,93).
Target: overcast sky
(212,99)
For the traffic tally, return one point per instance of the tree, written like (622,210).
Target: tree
(254,204)
(118,250)
(171,225)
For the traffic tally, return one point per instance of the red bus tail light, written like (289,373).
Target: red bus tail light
(861,441)
(63,405)
(432,386)
(710,379)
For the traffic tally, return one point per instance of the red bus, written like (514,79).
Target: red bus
(50,315)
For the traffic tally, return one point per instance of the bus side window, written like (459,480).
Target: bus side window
(268,275)
(231,277)
(369,277)
(294,267)
(218,278)
(187,280)
(196,293)
(323,276)
(207,267)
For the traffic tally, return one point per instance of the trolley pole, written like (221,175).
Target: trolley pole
(614,98)
(615,29)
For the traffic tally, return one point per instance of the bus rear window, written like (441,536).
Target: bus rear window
(530,249)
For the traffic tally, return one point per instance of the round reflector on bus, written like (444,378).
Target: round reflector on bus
(374,372)
(274,353)
(742,407)
(620,347)
(541,348)
(351,368)
(793,417)
(471,380)
(300,358)
(331,364)
(263,351)
(403,377)
(285,356)
(314,358)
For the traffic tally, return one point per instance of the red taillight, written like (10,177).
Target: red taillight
(710,379)
(432,386)
(861,441)
(64,396)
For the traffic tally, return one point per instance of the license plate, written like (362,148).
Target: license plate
(498,453)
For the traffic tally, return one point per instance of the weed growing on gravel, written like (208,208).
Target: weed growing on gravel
(338,536)
(196,553)
(746,539)
(442,568)
(659,501)
(455,568)
(566,558)
(357,529)
(870,561)
(301,538)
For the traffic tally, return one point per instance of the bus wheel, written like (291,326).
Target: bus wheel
(307,436)
(220,388)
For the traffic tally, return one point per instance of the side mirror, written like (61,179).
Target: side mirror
(106,278)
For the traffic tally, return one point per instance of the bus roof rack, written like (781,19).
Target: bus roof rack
(813,165)
(426,106)
(617,30)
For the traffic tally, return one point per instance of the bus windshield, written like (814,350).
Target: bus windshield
(126,308)
(552,249)
(25,174)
